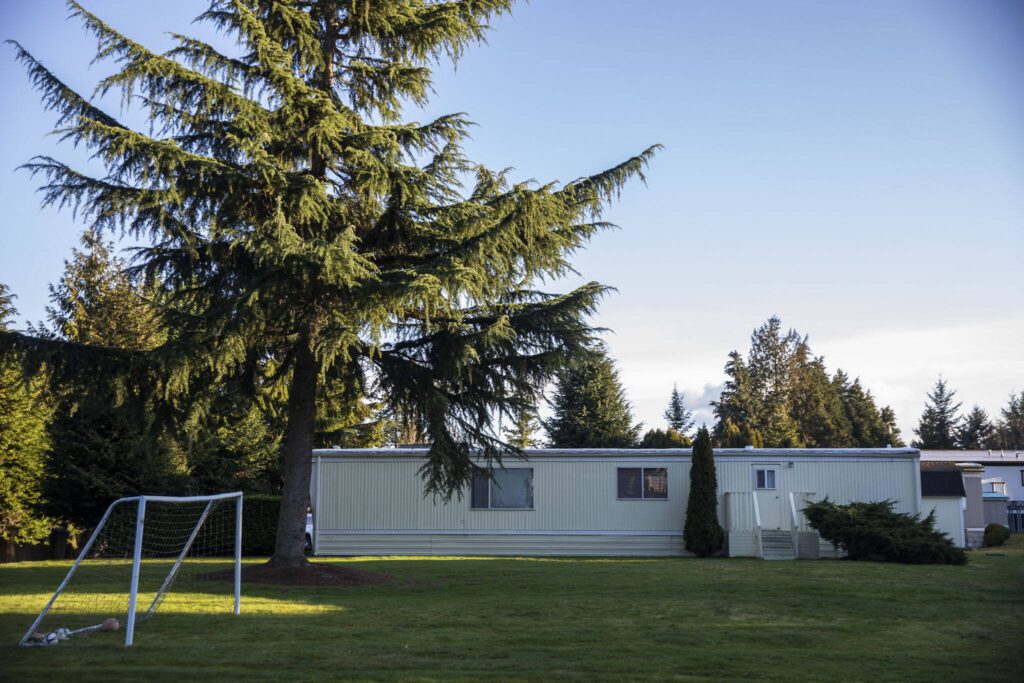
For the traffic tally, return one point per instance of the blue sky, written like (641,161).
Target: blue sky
(855,168)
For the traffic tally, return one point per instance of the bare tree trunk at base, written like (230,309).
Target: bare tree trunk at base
(289,548)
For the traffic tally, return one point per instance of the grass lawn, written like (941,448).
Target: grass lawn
(533,619)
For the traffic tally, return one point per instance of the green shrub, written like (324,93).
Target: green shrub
(873,531)
(259,524)
(996,534)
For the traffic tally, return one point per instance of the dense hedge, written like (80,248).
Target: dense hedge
(259,524)
(996,534)
(873,531)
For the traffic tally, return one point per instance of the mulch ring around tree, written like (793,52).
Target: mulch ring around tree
(312,574)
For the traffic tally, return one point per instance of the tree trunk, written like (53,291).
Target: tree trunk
(289,548)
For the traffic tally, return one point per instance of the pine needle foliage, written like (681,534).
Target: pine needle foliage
(782,396)
(702,533)
(304,235)
(589,408)
(24,442)
(678,416)
(940,421)
(1010,430)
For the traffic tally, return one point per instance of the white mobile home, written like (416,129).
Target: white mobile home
(595,501)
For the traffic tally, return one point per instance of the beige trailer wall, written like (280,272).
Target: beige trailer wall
(840,478)
(374,504)
(949,516)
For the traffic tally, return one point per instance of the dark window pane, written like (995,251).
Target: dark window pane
(771,479)
(655,482)
(479,496)
(760,479)
(629,482)
(512,488)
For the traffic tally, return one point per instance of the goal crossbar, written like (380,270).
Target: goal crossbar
(211,500)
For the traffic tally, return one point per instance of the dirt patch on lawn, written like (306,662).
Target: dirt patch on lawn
(313,574)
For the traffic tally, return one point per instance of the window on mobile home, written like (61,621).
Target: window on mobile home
(510,489)
(643,483)
(764,479)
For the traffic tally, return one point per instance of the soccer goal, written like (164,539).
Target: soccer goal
(148,553)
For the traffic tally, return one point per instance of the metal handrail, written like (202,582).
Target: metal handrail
(796,524)
(757,525)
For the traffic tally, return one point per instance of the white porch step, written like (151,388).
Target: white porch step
(777,545)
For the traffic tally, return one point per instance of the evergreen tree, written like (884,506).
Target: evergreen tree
(731,435)
(780,429)
(24,442)
(670,438)
(701,532)
(736,406)
(816,405)
(772,359)
(940,420)
(106,439)
(1010,432)
(976,431)
(235,447)
(784,397)
(677,416)
(590,409)
(866,425)
(522,434)
(97,303)
(297,222)
(892,432)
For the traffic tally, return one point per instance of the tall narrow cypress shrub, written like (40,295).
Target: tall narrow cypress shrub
(702,533)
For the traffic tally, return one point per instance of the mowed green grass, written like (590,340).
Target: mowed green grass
(543,619)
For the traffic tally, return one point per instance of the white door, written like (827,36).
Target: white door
(768,489)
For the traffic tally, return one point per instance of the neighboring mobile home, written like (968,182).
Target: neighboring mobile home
(943,493)
(994,484)
(595,501)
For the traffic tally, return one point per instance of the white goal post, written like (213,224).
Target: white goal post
(141,547)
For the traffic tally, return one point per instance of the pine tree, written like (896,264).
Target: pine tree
(303,234)
(781,430)
(866,426)
(702,533)
(590,409)
(107,441)
(783,397)
(24,443)
(677,415)
(736,406)
(816,405)
(940,420)
(892,432)
(1010,431)
(97,303)
(976,431)
(525,426)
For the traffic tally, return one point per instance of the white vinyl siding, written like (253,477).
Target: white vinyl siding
(372,502)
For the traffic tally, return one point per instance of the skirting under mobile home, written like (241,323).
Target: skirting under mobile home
(595,501)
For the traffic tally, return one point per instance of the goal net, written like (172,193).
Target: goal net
(148,554)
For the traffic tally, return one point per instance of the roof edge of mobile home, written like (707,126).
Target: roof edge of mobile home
(406,452)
